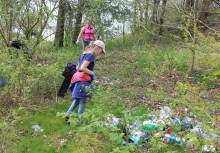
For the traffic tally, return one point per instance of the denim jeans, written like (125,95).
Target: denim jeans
(85,43)
(77,101)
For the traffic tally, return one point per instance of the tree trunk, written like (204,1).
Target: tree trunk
(162,17)
(146,12)
(188,19)
(69,27)
(59,36)
(141,12)
(8,17)
(135,17)
(190,3)
(194,36)
(154,17)
(78,21)
(123,28)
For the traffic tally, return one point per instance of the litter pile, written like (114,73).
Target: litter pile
(167,127)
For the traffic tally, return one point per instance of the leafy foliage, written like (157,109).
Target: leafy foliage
(131,81)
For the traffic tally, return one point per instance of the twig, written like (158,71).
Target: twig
(208,26)
(153,33)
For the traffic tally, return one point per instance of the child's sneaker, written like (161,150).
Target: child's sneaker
(67,118)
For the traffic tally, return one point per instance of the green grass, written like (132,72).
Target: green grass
(137,86)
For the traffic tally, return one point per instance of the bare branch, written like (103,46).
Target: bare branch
(185,29)
(175,6)
(48,36)
(152,33)
(207,26)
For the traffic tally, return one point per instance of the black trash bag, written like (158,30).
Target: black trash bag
(70,69)
(68,72)
(19,44)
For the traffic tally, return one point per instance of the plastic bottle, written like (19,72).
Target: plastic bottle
(2,82)
(150,116)
(135,138)
(187,142)
(115,121)
(159,134)
(136,124)
(176,120)
(170,138)
(165,112)
(37,128)
(209,148)
(124,143)
(185,126)
(168,130)
(150,126)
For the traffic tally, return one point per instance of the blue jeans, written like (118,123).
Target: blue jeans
(76,102)
(85,43)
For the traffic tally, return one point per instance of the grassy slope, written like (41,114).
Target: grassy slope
(135,83)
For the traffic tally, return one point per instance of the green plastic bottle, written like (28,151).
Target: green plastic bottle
(150,127)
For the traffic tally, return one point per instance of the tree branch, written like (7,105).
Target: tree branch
(152,33)
(207,26)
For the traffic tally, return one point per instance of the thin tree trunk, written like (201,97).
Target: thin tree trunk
(162,17)
(190,3)
(123,28)
(135,17)
(146,12)
(188,19)
(194,36)
(155,11)
(42,28)
(59,36)
(141,13)
(10,25)
(69,28)
(78,21)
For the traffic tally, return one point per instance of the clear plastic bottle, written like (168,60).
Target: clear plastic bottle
(136,124)
(177,120)
(135,138)
(169,138)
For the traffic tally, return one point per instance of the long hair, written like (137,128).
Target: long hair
(90,47)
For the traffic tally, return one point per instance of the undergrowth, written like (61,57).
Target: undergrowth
(140,72)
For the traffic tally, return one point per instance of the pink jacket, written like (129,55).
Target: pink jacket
(80,76)
(88,33)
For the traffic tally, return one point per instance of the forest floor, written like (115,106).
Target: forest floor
(123,83)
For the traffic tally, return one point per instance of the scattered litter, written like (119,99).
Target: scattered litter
(150,126)
(136,137)
(111,121)
(39,65)
(161,125)
(188,143)
(37,128)
(107,81)
(170,138)
(165,112)
(61,142)
(209,148)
